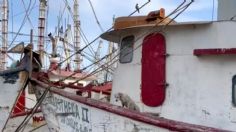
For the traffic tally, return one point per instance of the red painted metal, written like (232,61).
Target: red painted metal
(20,105)
(134,115)
(38,118)
(66,73)
(153,70)
(104,88)
(24,113)
(217,51)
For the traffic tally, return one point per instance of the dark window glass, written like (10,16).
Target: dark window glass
(126,49)
(234,91)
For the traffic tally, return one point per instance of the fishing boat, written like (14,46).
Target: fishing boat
(171,76)
(13,82)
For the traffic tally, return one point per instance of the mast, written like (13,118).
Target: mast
(76,34)
(100,79)
(4,34)
(41,28)
(110,59)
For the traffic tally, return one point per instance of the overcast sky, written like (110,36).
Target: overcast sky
(200,10)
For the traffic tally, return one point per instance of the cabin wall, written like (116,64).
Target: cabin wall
(127,77)
(200,88)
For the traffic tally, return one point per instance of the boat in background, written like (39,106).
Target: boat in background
(13,82)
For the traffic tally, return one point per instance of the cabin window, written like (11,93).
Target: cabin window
(234,91)
(126,49)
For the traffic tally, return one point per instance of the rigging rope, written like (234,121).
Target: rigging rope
(95,71)
(79,51)
(176,10)
(27,13)
(22,24)
(94,13)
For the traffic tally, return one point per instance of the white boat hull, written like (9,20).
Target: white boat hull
(64,111)
(10,86)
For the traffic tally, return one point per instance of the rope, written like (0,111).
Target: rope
(78,52)
(27,13)
(95,71)
(94,13)
(22,24)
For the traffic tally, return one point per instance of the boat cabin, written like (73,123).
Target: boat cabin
(181,71)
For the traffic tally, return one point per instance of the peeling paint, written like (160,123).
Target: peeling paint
(4,107)
(10,78)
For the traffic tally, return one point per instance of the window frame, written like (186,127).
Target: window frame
(127,45)
(234,90)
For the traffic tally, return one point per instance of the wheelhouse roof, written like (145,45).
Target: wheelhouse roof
(114,35)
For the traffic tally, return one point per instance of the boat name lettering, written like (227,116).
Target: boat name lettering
(71,114)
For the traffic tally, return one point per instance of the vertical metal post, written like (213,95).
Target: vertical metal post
(41,28)
(5,12)
(30,88)
(99,75)
(31,53)
(76,34)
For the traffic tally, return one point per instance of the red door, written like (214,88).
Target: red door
(153,70)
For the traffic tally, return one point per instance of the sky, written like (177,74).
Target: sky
(200,10)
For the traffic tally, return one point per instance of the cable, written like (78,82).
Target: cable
(93,72)
(27,118)
(139,8)
(37,127)
(23,12)
(83,36)
(213,10)
(79,51)
(99,25)
(27,14)
(86,42)
(22,24)
(24,34)
(177,9)
(18,96)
